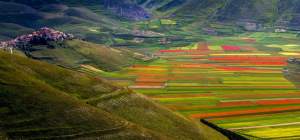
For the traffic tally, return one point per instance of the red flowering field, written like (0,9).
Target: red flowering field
(231,48)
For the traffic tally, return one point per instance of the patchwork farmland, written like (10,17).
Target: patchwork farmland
(238,86)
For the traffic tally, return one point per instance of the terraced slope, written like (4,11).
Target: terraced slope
(43,101)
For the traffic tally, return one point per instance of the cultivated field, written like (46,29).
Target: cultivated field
(235,82)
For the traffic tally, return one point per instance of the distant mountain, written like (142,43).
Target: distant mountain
(272,12)
(125,8)
(77,19)
(268,13)
(98,20)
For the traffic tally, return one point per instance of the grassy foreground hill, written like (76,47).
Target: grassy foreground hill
(44,101)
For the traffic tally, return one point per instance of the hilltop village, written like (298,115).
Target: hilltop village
(41,36)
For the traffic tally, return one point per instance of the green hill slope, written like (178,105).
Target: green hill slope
(74,53)
(31,108)
(40,100)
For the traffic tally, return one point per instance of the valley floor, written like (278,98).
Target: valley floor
(235,82)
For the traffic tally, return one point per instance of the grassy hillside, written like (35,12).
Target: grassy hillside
(75,53)
(39,100)
(33,108)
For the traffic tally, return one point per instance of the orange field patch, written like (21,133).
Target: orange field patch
(251,96)
(203,47)
(227,68)
(195,66)
(249,59)
(268,63)
(252,60)
(236,103)
(278,102)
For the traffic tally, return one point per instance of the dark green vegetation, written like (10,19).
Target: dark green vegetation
(40,100)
